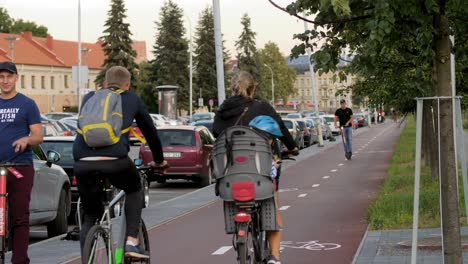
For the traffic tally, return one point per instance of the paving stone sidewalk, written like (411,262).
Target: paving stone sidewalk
(379,247)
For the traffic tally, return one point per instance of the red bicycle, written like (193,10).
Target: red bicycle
(5,169)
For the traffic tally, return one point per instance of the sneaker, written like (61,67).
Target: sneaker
(273,260)
(135,252)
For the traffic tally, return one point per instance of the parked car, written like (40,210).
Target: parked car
(159,120)
(326,130)
(329,119)
(50,196)
(70,121)
(313,131)
(59,115)
(49,130)
(202,116)
(188,151)
(361,119)
(307,137)
(295,131)
(294,116)
(206,123)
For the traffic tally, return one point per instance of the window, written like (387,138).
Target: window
(65,80)
(87,85)
(330,81)
(42,82)
(22,81)
(33,82)
(52,82)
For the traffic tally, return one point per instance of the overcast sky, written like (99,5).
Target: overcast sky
(60,17)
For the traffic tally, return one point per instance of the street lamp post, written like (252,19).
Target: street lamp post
(11,40)
(272,86)
(191,69)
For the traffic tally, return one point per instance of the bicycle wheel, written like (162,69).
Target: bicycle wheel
(143,238)
(244,250)
(96,247)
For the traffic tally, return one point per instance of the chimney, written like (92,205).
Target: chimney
(50,42)
(27,35)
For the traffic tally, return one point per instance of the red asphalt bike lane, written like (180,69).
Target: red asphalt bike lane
(324,217)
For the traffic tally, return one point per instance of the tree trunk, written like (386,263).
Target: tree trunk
(450,215)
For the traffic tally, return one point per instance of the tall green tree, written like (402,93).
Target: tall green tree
(283,76)
(23,26)
(204,59)
(246,49)
(171,58)
(5,21)
(392,34)
(117,44)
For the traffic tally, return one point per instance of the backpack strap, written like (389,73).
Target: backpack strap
(130,128)
(241,117)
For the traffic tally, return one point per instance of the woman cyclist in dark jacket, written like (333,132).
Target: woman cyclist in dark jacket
(243,89)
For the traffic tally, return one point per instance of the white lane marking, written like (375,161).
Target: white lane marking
(341,164)
(302,195)
(315,185)
(356,152)
(326,177)
(334,170)
(222,250)
(284,207)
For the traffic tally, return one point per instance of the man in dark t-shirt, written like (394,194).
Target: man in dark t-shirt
(345,117)
(20,128)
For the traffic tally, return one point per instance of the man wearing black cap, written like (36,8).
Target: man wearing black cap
(345,116)
(20,127)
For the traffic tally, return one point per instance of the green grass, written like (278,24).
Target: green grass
(393,208)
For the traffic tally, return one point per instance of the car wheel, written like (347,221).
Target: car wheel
(207,179)
(59,225)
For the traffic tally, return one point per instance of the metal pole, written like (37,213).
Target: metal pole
(452,80)
(440,181)
(191,70)
(219,52)
(11,40)
(314,92)
(417,179)
(461,153)
(79,57)
(272,86)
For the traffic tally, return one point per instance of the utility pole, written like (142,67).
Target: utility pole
(219,52)
(78,89)
(314,92)
(191,70)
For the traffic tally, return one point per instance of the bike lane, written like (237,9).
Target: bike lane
(323,201)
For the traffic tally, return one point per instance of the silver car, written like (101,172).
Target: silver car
(50,197)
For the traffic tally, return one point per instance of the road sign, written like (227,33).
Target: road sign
(200,101)
(211,102)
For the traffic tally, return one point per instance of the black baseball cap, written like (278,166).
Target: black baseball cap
(8,66)
(342,101)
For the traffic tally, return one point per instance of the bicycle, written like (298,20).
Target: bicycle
(99,244)
(5,169)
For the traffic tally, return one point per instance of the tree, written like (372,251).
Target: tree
(204,60)
(23,26)
(171,58)
(117,44)
(5,21)
(283,76)
(145,87)
(246,49)
(377,31)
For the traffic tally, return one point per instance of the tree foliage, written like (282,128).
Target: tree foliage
(10,25)
(117,44)
(247,56)
(171,58)
(283,76)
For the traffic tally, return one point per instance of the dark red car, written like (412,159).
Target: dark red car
(188,151)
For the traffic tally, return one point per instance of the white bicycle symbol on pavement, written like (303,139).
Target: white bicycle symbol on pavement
(311,245)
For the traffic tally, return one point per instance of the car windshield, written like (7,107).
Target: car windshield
(328,118)
(172,137)
(65,148)
(293,116)
(358,115)
(288,124)
(199,117)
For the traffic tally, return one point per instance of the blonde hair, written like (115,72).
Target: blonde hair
(118,76)
(243,84)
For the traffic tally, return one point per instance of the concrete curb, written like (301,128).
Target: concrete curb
(358,251)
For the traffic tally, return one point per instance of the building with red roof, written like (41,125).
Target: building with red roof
(45,67)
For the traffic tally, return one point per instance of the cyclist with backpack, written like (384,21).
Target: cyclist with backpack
(101,150)
(241,109)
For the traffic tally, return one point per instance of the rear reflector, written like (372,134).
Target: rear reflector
(242,217)
(241,233)
(243,191)
(74,182)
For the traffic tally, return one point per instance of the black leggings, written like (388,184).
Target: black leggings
(123,175)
